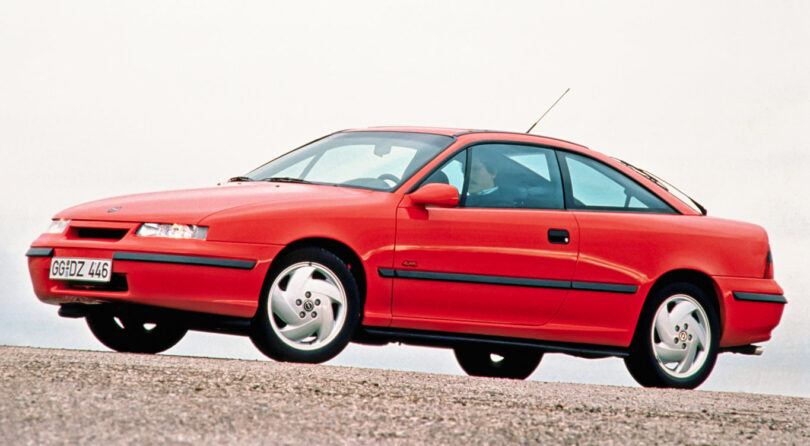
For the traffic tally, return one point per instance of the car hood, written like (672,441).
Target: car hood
(192,205)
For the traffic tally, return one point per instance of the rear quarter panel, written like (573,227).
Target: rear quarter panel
(621,247)
(638,249)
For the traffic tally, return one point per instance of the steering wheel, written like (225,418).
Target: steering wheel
(389,177)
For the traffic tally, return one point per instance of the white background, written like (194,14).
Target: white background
(106,98)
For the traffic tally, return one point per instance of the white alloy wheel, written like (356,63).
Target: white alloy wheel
(681,336)
(307,306)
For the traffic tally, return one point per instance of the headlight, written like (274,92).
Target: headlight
(57,226)
(172,231)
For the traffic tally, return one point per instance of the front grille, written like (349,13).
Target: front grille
(118,282)
(99,233)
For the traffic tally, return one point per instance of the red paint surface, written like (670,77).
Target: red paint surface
(255,221)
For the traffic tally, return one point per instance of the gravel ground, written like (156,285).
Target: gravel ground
(79,397)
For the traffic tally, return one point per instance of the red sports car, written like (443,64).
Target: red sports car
(501,246)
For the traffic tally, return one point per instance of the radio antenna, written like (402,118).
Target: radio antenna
(549,109)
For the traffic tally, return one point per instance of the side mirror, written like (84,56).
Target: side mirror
(436,194)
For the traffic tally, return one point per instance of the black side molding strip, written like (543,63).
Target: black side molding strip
(502,280)
(609,287)
(184,260)
(758,297)
(450,340)
(39,252)
(474,278)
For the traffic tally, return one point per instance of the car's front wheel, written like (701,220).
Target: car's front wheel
(497,363)
(676,342)
(133,332)
(310,309)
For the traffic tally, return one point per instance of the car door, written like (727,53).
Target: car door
(505,255)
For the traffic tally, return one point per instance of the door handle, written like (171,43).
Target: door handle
(558,236)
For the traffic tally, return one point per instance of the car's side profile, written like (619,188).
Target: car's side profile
(501,246)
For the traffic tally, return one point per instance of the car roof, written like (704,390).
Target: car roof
(490,134)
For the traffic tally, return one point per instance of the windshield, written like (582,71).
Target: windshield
(369,160)
(689,201)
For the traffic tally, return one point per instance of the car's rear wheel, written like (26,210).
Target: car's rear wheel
(498,363)
(134,333)
(310,309)
(676,342)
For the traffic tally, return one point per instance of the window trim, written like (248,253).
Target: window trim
(465,185)
(564,177)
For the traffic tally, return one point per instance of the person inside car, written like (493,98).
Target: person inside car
(484,190)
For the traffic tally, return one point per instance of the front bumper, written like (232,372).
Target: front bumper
(194,275)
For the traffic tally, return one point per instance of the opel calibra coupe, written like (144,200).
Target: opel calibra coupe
(502,246)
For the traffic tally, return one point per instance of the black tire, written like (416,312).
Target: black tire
(507,363)
(267,326)
(133,332)
(644,364)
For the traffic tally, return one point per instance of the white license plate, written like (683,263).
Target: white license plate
(89,270)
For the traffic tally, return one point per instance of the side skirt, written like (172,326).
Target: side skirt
(381,336)
(213,323)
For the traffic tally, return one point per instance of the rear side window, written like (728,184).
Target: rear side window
(592,185)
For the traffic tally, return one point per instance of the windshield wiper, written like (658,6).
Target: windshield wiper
(240,178)
(287,180)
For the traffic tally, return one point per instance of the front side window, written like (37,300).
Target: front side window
(506,176)
(595,186)
(452,172)
(513,176)
(370,160)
